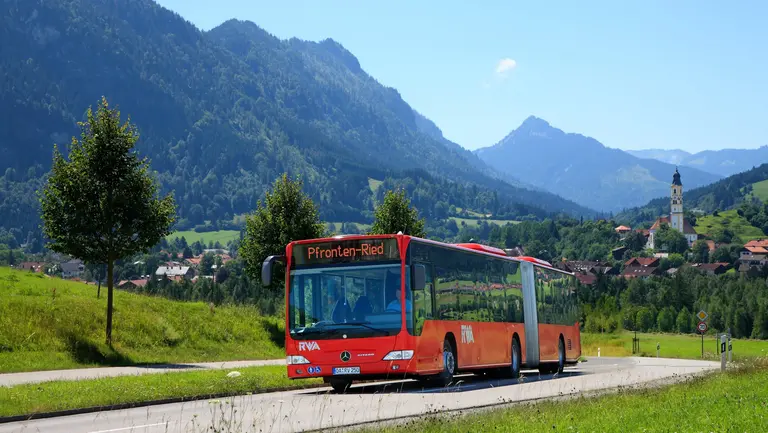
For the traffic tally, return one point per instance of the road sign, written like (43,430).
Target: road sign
(702,327)
(702,315)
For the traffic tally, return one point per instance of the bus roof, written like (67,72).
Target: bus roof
(475,247)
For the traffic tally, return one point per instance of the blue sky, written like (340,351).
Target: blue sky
(655,74)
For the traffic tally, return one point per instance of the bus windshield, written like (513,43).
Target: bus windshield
(354,300)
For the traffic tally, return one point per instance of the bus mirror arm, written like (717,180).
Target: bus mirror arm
(419,277)
(266,269)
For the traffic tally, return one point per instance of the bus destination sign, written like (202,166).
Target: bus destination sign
(345,251)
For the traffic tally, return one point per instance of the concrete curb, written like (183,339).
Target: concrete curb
(119,406)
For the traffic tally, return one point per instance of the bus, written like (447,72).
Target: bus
(371,307)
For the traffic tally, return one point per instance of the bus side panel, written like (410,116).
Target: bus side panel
(478,344)
(429,345)
(572,335)
(548,340)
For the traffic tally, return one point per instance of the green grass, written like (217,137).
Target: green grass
(731,220)
(62,395)
(222,236)
(49,323)
(735,401)
(335,227)
(760,190)
(471,213)
(671,345)
(374,184)
(471,222)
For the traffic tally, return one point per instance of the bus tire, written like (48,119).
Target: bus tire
(449,363)
(514,367)
(560,356)
(340,385)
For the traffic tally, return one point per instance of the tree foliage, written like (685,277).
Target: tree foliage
(395,214)
(286,214)
(102,204)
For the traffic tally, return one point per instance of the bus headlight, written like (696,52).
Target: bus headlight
(398,355)
(296,359)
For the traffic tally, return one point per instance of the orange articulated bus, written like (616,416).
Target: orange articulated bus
(367,307)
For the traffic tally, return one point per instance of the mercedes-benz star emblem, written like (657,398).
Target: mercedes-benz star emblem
(345,356)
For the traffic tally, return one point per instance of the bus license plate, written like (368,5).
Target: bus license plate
(346,370)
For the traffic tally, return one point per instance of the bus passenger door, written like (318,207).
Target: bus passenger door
(428,345)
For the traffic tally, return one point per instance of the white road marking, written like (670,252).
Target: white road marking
(128,428)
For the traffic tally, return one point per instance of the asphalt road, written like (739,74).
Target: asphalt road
(10,379)
(320,409)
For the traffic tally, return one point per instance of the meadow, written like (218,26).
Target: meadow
(49,323)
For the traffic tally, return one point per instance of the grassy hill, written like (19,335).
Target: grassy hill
(760,190)
(49,323)
(474,222)
(191,236)
(731,220)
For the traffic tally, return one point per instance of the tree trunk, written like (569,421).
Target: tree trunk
(110,269)
(98,291)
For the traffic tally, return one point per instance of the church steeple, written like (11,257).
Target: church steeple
(676,203)
(676,178)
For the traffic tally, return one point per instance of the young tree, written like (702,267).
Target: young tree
(102,205)
(395,214)
(286,214)
(671,240)
(700,251)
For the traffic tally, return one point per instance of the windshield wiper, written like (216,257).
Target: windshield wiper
(365,325)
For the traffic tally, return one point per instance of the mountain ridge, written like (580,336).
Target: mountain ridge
(723,162)
(223,113)
(580,168)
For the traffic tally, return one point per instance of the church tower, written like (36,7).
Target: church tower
(676,203)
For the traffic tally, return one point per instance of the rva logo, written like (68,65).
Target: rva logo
(308,346)
(466,334)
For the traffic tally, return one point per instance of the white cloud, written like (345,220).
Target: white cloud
(504,66)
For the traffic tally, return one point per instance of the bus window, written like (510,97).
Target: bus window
(422,304)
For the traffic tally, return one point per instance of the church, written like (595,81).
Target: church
(675,220)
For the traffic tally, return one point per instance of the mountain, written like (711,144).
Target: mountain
(581,169)
(223,113)
(723,162)
(671,156)
(721,195)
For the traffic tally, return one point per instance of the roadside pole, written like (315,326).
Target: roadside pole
(722,352)
(730,348)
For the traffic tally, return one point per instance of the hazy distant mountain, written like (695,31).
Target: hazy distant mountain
(672,156)
(582,169)
(723,162)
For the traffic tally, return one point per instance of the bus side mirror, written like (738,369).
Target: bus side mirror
(266,269)
(419,277)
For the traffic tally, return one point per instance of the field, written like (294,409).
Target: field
(471,222)
(670,346)
(191,236)
(760,190)
(374,184)
(335,227)
(735,402)
(728,219)
(49,323)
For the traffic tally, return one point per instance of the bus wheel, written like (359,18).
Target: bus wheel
(515,366)
(560,356)
(449,364)
(340,385)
